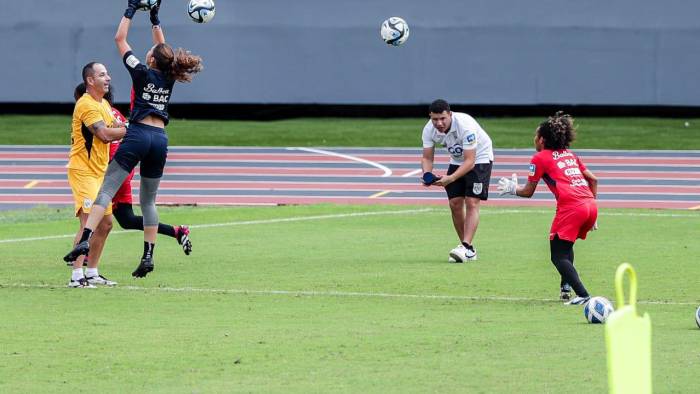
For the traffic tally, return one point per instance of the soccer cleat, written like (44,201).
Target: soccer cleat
(183,238)
(458,254)
(144,268)
(82,248)
(565,292)
(470,253)
(80,283)
(100,280)
(578,301)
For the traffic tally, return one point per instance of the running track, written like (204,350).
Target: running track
(33,175)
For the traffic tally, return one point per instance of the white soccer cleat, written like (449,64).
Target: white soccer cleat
(470,254)
(578,301)
(100,280)
(458,254)
(80,283)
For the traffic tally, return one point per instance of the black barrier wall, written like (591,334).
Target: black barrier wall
(496,52)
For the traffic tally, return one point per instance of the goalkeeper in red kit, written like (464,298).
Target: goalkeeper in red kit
(574,187)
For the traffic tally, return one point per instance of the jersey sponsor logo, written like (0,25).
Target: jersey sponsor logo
(533,168)
(572,171)
(578,182)
(132,61)
(456,150)
(561,164)
(556,155)
(478,188)
(471,139)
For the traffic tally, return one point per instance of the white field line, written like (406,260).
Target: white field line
(247,222)
(330,294)
(387,171)
(361,214)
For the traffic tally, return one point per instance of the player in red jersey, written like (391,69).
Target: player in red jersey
(574,187)
(122,202)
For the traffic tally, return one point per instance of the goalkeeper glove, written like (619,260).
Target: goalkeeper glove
(508,186)
(154,14)
(131,8)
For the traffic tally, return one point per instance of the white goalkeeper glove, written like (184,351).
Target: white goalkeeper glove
(508,186)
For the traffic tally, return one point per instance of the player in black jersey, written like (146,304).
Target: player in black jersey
(145,140)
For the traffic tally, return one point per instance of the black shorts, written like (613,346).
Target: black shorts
(474,184)
(145,144)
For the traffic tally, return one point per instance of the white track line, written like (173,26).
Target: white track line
(248,222)
(387,171)
(361,214)
(412,173)
(315,293)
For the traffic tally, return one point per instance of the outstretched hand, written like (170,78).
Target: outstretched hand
(508,186)
(132,6)
(154,14)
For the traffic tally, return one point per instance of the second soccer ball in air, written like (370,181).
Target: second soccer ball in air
(201,11)
(395,31)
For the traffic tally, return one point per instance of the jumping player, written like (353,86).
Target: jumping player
(122,203)
(145,140)
(469,173)
(574,187)
(93,128)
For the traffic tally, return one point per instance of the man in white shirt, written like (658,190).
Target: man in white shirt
(469,173)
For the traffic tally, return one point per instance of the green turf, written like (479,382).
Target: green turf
(599,133)
(344,304)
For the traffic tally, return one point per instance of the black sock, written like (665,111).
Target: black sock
(148,250)
(467,245)
(87,233)
(561,253)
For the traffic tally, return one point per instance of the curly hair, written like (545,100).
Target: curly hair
(558,131)
(179,65)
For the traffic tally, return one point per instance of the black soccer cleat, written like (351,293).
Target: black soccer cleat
(82,248)
(144,268)
(565,292)
(183,238)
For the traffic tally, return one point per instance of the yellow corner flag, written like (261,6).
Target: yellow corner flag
(628,340)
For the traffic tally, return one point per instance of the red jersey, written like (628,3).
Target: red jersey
(562,171)
(123,195)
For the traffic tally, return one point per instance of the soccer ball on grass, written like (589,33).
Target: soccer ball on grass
(201,11)
(597,310)
(395,31)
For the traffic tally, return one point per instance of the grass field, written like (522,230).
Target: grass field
(599,133)
(339,298)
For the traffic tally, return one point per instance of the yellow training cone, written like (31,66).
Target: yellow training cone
(628,340)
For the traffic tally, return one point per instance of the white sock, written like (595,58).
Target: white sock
(91,272)
(77,274)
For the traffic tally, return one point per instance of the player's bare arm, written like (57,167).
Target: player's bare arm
(106,134)
(464,168)
(526,190)
(592,182)
(428,159)
(120,37)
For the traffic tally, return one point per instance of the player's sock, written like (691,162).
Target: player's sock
(77,274)
(148,250)
(560,250)
(170,231)
(468,245)
(90,272)
(87,233)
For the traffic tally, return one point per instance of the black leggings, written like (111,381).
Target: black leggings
(563,259)
(124,213)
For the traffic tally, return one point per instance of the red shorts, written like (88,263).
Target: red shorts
(571,223)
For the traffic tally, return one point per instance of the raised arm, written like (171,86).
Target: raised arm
(120,37)
(156,31)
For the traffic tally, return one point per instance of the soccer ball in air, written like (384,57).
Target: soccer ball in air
(697,316)
(145,5)
(597,310)
(394,31)
(201,11)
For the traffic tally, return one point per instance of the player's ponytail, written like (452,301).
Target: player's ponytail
(558,131)
(178,65)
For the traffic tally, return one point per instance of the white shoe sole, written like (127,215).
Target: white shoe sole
(455,258)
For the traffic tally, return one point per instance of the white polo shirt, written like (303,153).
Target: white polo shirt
(464,134)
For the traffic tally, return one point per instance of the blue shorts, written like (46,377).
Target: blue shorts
(145,144)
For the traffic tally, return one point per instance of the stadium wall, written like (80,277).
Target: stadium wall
(491,53)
